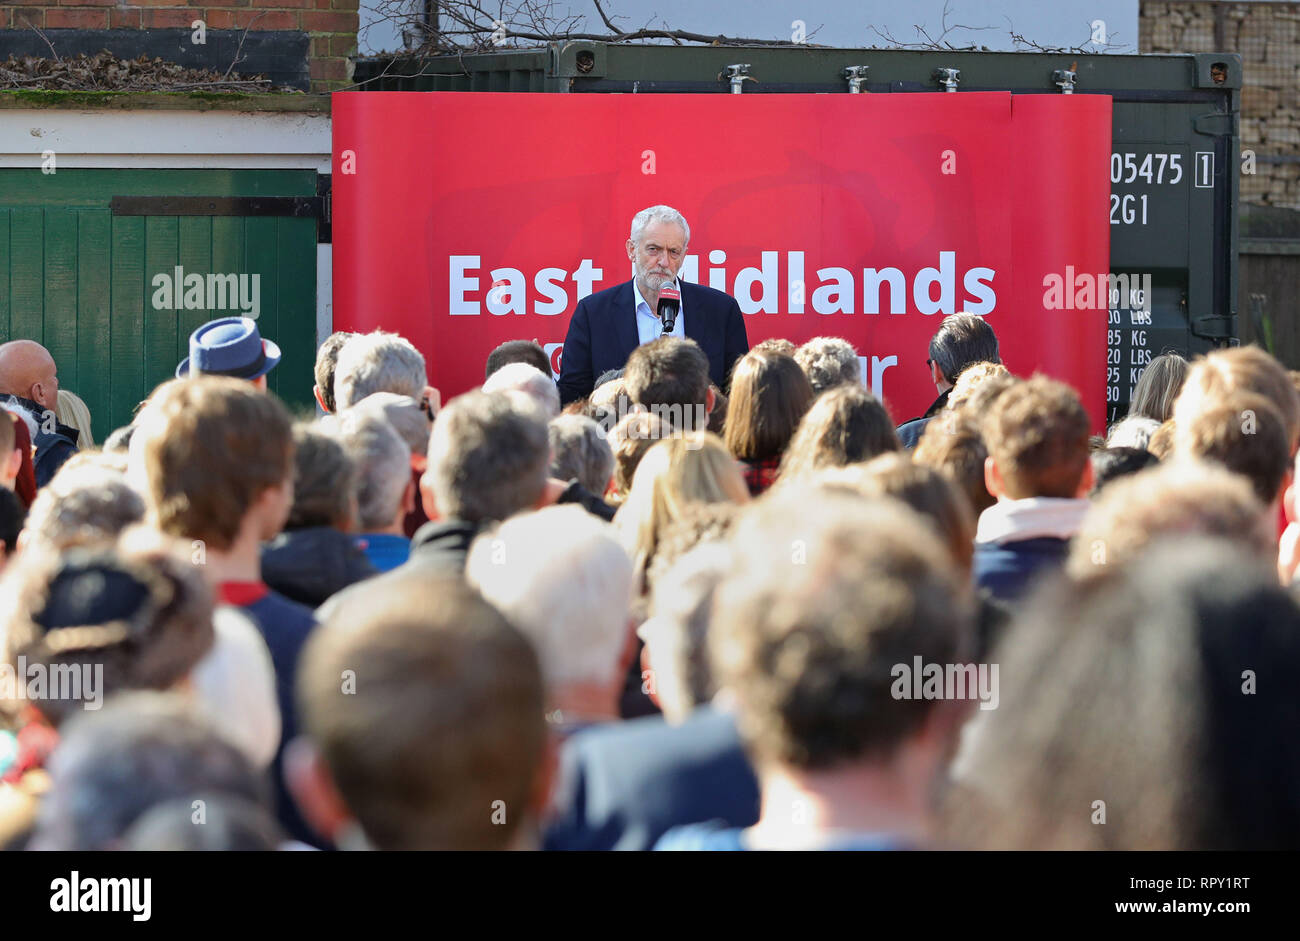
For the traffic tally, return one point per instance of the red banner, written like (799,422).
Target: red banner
(464,220)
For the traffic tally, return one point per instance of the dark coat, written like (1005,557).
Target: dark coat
(308,565)
(909,432)
(623,785)
(55,442)
(1008,569)
(602,335)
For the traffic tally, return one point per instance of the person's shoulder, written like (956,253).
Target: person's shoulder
(712,837)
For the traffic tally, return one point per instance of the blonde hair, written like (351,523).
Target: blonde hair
(72,411)
(971,378)
(675,473)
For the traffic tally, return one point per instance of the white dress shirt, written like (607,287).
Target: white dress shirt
(648,325)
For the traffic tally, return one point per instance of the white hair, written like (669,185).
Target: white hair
(579,448)
(404,414)
(1132,432)
(234,686)
(377,362)
(658,214)
(521,377)
(560,576)
(383,465)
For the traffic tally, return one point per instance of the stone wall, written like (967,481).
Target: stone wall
(1267,37)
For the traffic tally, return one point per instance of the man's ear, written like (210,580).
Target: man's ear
(631,250)
(710,400)
(1086,480)
(993,478)
(427,498)
(320,399)
(408,497)
(14,464)
(309,781)
(260,382)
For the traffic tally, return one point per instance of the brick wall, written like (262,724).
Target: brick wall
(1267,37)
(331,24)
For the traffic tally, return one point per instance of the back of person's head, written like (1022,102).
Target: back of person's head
(327,360)
(775,345)
(561,577)
(828,362)
(928,492)
(99,621)
(580,450)
(234,685)
(139,751)
(826,594)
(72,411)
(631,438)
(518,351)
(1242,432)
(221,823)
(981,398)
(676,634)
(675,473)
(378,362)
(11,523)
(1132,432)
(383,463)
(1158,387)
(324,481)
(696,523)
(1147,709)
(1037,436)
(83,504)
(1246,369)
(406,416)
(971,378)
(209,447)
(769,396)
(845,424)
(951,443)
(531,381)
(445,718)
(1181,498)
(961,340)
(669,373)
(1109,464)
(488,458)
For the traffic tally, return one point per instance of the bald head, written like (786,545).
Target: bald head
(27,369)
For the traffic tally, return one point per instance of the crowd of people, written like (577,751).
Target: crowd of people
(664,615)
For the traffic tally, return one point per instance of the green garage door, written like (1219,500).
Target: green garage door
(81,249)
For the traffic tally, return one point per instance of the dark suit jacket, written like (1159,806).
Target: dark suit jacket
(602,335)
(622,785)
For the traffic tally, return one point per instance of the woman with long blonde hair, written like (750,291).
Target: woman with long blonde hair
(675,472)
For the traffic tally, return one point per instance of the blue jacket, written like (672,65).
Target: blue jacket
(1008,569)
(623,785)
(602,335)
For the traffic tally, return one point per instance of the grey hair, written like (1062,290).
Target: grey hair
(580,449)
(828,362)
(561,577)
(378,362)
(528,379)
(1132,432)
(82,504)
(404,414)
(141,749)
(383,466)
(488,456)
(658,214)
